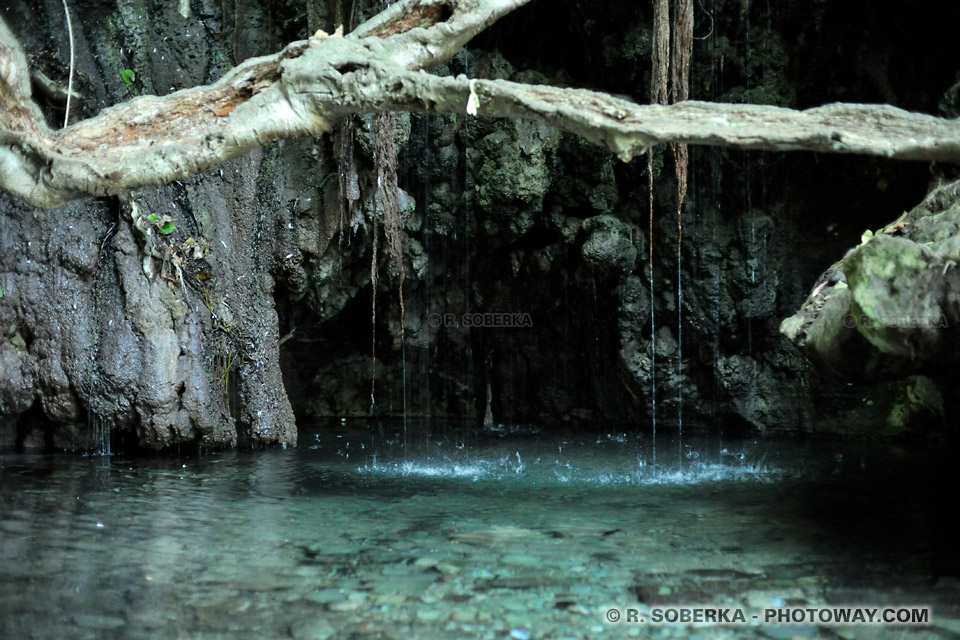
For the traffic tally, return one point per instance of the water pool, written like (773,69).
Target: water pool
(367,532)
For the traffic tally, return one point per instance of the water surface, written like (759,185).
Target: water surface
(444,533)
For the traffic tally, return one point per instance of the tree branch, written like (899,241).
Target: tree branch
(310,84)
(627,128)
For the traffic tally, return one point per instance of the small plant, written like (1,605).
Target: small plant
(164,225)
(869,235)
(128,76)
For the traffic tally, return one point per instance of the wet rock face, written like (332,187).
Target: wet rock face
(38,355)
(114,330)
(527,290)
(512,171)
(608,249)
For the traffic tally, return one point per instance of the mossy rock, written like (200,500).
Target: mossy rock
(897,293)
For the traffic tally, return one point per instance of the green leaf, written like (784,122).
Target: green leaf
(1,292)
(167,228)
(867,235)
(152,217)
(128,75)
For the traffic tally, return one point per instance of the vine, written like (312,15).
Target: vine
(673,56)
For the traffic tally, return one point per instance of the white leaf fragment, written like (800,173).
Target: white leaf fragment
(473,102)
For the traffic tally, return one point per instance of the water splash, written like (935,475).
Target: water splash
(542,471)
(611,460)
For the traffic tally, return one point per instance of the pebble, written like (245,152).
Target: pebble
(98,622)
(326,596)
(353,602)
(313,628)
(429,615)
(522,560)
(461,614)
(426,562)
(391,598)
(778,598)
(785,632)
(448,568)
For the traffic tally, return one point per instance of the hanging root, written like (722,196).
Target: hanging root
(658,95)
(680,88)
(680,53)
(670,56)
(661,51)
(66,116)
(385,159)
(709,15)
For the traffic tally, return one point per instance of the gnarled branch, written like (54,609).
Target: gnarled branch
(310,84)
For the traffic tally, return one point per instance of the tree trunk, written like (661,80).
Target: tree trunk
(112,327)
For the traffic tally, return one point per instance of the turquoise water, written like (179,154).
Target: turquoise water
(363,532)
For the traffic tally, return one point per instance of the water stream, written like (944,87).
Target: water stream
(501,534)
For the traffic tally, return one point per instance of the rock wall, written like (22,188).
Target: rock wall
(119,332)
(515,218)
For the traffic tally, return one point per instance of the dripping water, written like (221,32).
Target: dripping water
(403,384)
(101,445)
(716,189)
(752,263)
(748,67)
(679,335)
(427,235)
(653,318)
(595,321)
(748,170)
(653,367)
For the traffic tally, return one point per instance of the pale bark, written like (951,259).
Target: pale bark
(310,84)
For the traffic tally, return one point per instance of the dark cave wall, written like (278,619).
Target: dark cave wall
(500,217)
(512,220)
